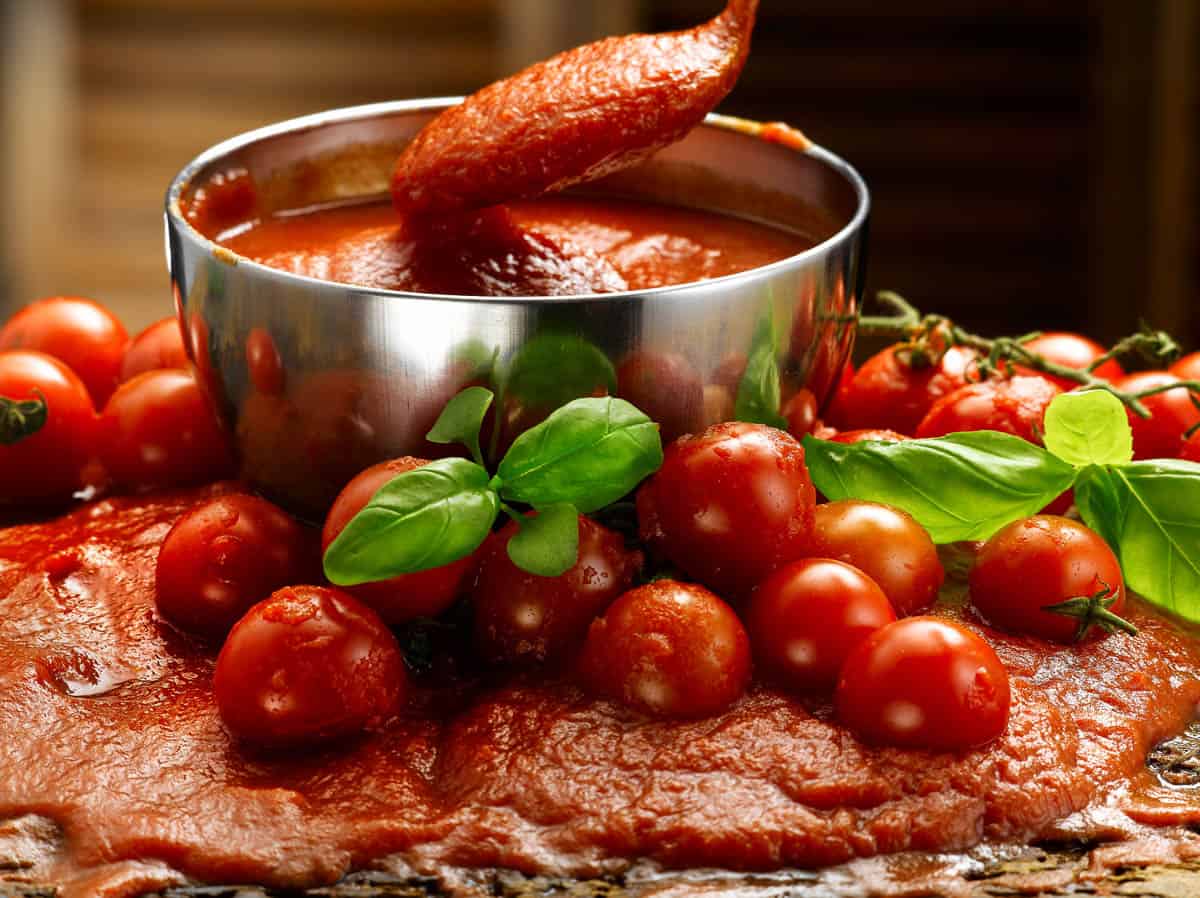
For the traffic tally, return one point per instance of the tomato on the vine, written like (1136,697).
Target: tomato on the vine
(1014,405)
(1191,448)
(158,430)
(729,505)
(1187,368)
(308,664)
(80,333)
(670,649)
(1172,414)
(158,346)
(886,544)
(225,555)
(1071,351)
(1050,577)
(806,617)
(407,596)
(524,618)
(47,428)
(850,437)
(924,683)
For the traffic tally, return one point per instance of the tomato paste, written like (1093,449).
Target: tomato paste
(116,774)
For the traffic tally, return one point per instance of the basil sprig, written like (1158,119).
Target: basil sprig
(967,486)
(582,457)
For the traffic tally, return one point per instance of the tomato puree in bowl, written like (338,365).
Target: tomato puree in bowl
(115,766)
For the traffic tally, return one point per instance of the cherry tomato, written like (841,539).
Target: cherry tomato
(801,413)
(263,363)
(669,649)
(866,436)
(308,664)
(1191,448)
(80,333)
(924,683)
(887,545)
(46,465)
(1016,405)
(805,618)
(1042,561)
(521,617)
(667,387)
(730,505)
(1172,415)
(223,556)
(158,430)
(1187,368)
(835,404)
(399,599)
(1071,351)
(158,346)
(891,393)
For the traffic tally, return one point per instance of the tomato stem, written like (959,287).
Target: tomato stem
(21,418)
(1093,611)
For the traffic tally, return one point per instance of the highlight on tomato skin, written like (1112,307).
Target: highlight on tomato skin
(924,683)
(524,619)
(223,556)
(1042,562)
(668,649)
(806,618)
(849,437)
(308,665)
(1015,405)
(407,596)
(1071,351)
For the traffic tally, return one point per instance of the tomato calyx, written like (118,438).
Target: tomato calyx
(21,418)
(1093,611)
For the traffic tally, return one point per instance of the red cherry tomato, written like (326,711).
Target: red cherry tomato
(158,430)
(264,363)
(667,387)
(521,617)
(1042,561)
(1187,368)
(1071,351)
(887,545)
(1172,415)
(46,465)
(866,436)
(801,414)
(1016,405)
(805,618)
(890,393)
(308,664)
(1191,448)
(835,404)
(408,596)
(924,683)
(158,346)
(730,505)
(80,333)
(223,556)
(669,649)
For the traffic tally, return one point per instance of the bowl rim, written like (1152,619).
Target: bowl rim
(177,223)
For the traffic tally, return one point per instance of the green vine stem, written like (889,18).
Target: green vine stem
(926,338)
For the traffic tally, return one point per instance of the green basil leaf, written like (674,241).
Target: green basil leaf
(1089,428)
(1149,511)
(461,420)
(420,519)
(758,394)
(547,543)
(552,369)
(588,453)
(965,486)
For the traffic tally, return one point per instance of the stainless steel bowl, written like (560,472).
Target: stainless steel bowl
(318,380)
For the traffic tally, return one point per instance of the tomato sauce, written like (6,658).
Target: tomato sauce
(557,245)
(116,774)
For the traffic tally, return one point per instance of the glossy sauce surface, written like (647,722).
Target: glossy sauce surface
(558,245)
(111,733)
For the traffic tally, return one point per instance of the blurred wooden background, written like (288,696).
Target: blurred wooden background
(1035,163)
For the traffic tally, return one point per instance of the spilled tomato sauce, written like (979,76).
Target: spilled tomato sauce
(116,774)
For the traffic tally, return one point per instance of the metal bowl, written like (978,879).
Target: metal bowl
(317,380)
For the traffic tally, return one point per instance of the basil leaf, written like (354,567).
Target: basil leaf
(548,543)
(1089,428)
(420,519)
(965,486)
(461,420)
(552,369)
(588,453)
(758,394)
(1149,511)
